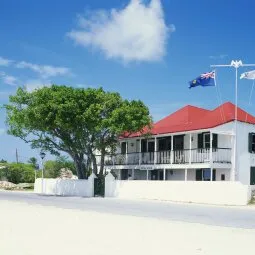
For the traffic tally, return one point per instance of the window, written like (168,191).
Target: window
(203,141)
(206,139)
(205,174)
(252,142)
(252,176)
(164,144)
(223,177)
(123,148)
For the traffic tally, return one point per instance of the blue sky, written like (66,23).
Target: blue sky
(145,50)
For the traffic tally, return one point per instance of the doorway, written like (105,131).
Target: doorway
(205,174)
(252,176)
(124,174)
(154,175)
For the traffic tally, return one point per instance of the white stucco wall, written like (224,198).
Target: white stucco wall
(244,159)
(81,188)
(221,193)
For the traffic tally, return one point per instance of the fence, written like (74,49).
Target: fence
(82,188)
(220,193)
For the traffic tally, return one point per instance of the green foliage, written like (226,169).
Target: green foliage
(76,121)
(18,173)
(3,161)
(33,161)
(52,167)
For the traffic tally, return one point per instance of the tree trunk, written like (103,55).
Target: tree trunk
(101,172)
(94,163)
(80,166)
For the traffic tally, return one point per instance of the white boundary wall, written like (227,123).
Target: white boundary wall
(220,193)
(67,187)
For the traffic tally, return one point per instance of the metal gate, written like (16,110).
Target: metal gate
(99,186)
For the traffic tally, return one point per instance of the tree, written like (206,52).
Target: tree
(3,161)
(79,122)
(52,167)
(33,161)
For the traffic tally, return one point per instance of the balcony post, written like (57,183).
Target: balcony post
(126,152)
(211,155)
(155,150)
(190,146)
(172,149)
(140,153)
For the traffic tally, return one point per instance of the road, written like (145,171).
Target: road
(236,217)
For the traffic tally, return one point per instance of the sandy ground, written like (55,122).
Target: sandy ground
(36,230)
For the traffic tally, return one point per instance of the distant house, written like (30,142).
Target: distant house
(191,144)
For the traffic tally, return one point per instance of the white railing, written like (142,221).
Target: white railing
(200,155)
(219,155)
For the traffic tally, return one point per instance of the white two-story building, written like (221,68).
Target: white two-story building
(191,144)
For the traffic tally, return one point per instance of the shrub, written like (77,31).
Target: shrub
(18,173)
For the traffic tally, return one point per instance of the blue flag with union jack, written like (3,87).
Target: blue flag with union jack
(204,80)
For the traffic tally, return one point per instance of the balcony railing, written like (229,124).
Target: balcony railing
(219,155)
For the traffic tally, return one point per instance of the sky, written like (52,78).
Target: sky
(143,49)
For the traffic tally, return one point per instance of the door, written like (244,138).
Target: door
(252,176)
(123,148)
(205,174)
(154,175)
(124,174)
(199,175)
(178,149)
(178,142)
(161,175)
(151,148)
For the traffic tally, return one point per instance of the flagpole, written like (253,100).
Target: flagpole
(236,64)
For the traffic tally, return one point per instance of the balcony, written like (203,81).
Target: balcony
(193,156)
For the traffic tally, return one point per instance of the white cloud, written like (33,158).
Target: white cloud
(4,61)
(32,85)
(137,32)
(8,79)
(44,70)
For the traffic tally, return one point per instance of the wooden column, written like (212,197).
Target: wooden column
(211,155)
(172,150)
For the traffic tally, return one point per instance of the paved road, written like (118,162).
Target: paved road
(209,215)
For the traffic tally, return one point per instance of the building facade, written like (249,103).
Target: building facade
(192,144)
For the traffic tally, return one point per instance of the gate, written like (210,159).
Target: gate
(99,186)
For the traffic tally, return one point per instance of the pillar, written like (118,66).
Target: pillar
(211,177)
(190,146)
(147,175)
(155,150)
(164,174)
(186,174)
(172,149)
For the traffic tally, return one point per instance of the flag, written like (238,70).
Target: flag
(248,75)
(204,80)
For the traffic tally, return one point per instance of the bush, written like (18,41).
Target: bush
(52,167)
(18,173)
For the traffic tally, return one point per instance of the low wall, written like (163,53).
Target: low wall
(82,188)
(220,193)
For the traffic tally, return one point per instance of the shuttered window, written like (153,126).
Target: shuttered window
(251,142)
(203,140)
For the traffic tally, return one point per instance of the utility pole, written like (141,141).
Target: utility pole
(17,156)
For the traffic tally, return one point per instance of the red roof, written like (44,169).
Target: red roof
(193,118)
